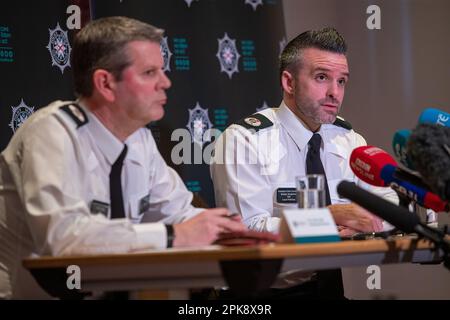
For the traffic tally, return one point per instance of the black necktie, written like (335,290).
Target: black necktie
(329,282)
(314,164)
(115,186)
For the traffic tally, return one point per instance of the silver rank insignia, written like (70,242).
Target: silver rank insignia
(253,121)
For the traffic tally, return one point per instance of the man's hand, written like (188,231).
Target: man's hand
(346,231)
(206,227)
(356,218)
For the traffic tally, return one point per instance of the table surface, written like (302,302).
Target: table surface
(217,266)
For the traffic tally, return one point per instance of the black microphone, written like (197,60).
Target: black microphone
(429,150)
(411,177)
(397,216)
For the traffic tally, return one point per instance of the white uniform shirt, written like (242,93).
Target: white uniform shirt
(54,192)
(249,168)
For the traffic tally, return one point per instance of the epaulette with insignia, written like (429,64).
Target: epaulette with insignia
(256,122)
(342,123)
(76,113)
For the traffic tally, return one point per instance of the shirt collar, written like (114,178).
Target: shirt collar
(135,144)
(301,134)
(295,127)
(109,145)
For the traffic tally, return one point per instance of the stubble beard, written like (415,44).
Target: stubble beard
(312,110)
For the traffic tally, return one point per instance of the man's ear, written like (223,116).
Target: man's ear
(287,82)
(104,83)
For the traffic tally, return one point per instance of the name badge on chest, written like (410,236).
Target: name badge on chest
(286,195)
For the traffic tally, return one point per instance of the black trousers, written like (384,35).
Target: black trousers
(325,285)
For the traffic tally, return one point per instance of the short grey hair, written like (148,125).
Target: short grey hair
(101,44)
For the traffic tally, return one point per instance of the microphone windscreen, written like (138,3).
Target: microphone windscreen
(428,148)
(367,162)
(435,116)
(399,145)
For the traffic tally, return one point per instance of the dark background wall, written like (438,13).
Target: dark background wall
(193,29)
(26,71)
(396,71)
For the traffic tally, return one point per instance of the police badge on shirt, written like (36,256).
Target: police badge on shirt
(286,195)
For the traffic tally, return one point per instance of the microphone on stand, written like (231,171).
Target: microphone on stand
(397,216)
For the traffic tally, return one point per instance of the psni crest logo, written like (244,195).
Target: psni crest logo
(188,2)
(19,115)
(59,48)
(254,3)
(166,53)
(228,55)
(198,124)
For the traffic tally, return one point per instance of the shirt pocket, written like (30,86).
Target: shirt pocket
(138,204)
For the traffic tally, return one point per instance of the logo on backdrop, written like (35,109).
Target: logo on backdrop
(264,106)
(19,115)
(6,49)
(228,55)
(188,2)
(198,124)
(254,3)
(59,47)
(166,53)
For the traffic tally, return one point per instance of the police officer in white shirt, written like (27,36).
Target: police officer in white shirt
(257,159)
(78,177)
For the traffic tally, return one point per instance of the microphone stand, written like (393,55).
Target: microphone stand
(404,202)
(438,238)
(434,235)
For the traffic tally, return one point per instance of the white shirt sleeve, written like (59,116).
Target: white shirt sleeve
(170,201)
(239,180)
(49,178)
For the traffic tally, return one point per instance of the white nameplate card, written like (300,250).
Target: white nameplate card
(309,226)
